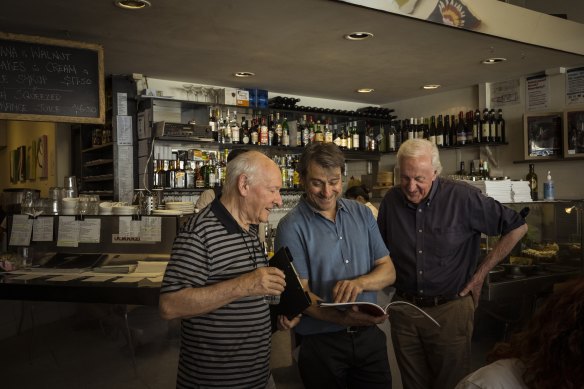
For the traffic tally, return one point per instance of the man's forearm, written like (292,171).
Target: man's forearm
(502,249)
(382,275)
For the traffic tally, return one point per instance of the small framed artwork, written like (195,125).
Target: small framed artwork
(543,135)
(574,133)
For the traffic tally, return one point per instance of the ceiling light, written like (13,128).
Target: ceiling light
(431,86)
(132,4)
(365,90)
(358,36)
(491,61)
(244,74)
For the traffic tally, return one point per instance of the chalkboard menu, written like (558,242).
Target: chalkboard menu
(45,79)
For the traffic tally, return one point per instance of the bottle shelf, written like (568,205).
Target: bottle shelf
(97,147)
(98,162)
(104,177)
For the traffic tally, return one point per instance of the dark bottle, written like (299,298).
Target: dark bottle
(447,135)
(460,130)
(500,127)
(477,126)
(453,134)
(486,132)
(462,172)
(391,141)
(532,180)
(440,132)
(433,131)
(468,125)
(492,126)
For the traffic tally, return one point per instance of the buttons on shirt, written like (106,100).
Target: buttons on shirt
(419,251)
(420,230)
(346,261)
(421,272)
(421,291)
(420,210)
(340,237)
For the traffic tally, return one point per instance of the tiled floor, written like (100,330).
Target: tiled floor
(79,353)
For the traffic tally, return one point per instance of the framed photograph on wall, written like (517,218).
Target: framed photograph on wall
(574,133)
(543,135)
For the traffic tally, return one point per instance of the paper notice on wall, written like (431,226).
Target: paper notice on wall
(124,130)
(128,227)
(575,86)
(537,92)
(150,229)
(21,230)
(122,103)
(42,230)
(125,173)
(505,93)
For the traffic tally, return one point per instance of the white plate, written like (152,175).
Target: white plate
(166,212)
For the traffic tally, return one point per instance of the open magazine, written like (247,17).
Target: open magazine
(372,308)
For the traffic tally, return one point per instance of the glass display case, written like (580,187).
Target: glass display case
(550,252)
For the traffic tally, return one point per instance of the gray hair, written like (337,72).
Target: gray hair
(416,148)
(248,163)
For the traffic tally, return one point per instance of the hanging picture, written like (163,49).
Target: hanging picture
(31,161)
(573,133)
(543,135)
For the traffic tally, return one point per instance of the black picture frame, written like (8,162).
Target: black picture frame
(543,136)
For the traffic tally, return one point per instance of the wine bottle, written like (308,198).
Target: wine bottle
(391,138)
(500,127)
(432,130)
(460,130)
(532,180)
(477,126)
(486,132)
(440,132)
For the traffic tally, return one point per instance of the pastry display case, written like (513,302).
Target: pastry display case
(550,252)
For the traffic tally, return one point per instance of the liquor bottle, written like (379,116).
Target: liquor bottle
(468,125)
(349,137)
(213,125)
(372,144)
(355,136)
(273,138)
(318,134)
(212,171)
(343,137)
(235,130)
(311,129)
(462,172)
(500,127)
(278,132)
(486,171)
(492,126)
(285,132)
(410,129)
(327,133)
(432,130)
(473,172)
(199,178)
(189,175)
(399,139)
(532,180)
(453,134)
(447,135)
(263,132)
(440,132)
(486,133)
(305,131)
(245,135)
(171,174)
(336,136)
(391,144)
(254,137)
(477,126)
(460,130)
(420,128)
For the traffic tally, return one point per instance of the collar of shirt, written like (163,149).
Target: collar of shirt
(227,219)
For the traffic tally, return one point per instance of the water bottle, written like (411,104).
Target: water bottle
(548,188)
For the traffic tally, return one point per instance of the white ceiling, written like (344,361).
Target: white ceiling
(293,46)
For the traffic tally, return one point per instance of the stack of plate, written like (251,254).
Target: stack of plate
(183,206)
(166,212)
(123,210)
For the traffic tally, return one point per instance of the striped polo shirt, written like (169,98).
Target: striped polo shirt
(229,347)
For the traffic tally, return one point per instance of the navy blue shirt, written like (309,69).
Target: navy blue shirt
(435,245)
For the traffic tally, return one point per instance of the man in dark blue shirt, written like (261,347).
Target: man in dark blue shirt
(433,227)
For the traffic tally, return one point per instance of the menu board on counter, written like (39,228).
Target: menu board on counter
(55,80)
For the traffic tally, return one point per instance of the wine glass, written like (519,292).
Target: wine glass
(197,90)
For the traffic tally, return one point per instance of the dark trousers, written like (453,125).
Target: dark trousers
(345,360)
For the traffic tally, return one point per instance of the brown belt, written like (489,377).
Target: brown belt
(425,301)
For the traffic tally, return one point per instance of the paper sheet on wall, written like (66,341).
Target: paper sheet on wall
(575,86)
(124,130)
(42,230)
(89,231)
(125,179)
(122,103)
(537,92)
(21,230)
(68,235)
(505,93)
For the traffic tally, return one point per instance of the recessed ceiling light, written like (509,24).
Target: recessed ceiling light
(244,74)
(132,4)
(365,90)
(358,36)
(491,61)
(431,86)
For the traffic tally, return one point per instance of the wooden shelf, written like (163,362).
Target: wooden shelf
(98,162)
